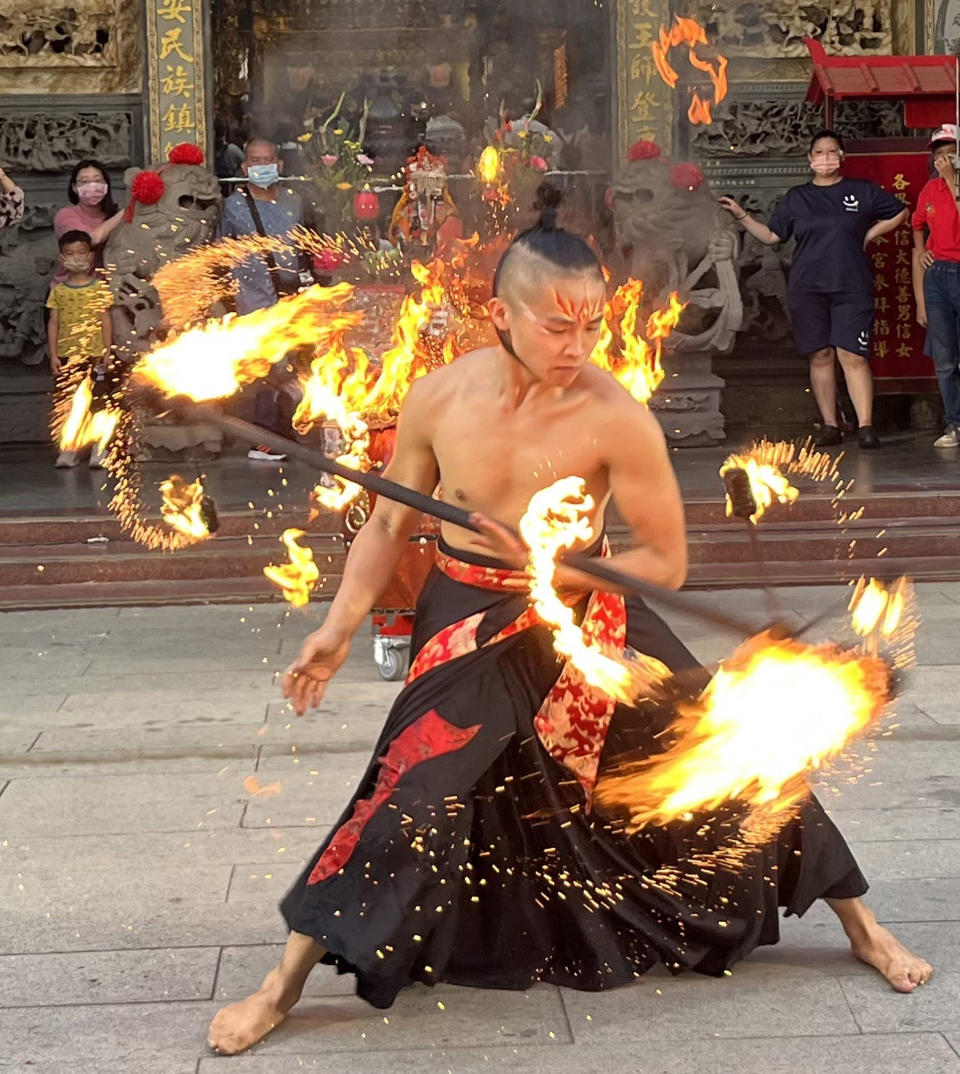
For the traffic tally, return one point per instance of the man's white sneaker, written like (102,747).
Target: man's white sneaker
(264,454)
(951,438)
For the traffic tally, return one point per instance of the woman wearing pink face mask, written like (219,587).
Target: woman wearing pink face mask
(830,294)
(92,209)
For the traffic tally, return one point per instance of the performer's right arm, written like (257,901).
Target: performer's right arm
(373,557)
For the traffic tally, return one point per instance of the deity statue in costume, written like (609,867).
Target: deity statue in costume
(425,219)
(670,234)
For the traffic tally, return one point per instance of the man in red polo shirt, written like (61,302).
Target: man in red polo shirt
(936,276)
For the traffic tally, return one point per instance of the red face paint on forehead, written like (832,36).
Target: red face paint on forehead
(582,310)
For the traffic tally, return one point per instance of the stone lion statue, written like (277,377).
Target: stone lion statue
(670,234)
(174,207)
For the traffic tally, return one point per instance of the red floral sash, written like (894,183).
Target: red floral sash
(573,720)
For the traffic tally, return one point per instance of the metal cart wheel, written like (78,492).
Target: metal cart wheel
(391,663)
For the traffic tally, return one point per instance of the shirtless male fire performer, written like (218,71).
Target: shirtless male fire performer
(469,853)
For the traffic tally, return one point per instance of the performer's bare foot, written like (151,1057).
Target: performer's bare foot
(882,950)
(878,947)
(239,1026)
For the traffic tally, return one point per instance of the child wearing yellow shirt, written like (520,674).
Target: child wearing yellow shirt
(79,332)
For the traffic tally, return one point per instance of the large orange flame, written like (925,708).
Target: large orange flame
(556,519)
(298,578)
(638,365)
(346,388)
(212,361)
(776,711)
(767,483)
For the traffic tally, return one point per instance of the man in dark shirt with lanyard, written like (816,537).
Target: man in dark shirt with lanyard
(830,293)
(268,208)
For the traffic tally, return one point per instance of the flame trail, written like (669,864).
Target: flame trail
(298,578)
(556,519)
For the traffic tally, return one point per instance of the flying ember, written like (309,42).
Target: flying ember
(298,578)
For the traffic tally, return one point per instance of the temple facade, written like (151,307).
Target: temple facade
(122,81)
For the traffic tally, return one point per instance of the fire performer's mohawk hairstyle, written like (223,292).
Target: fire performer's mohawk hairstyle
(561,249)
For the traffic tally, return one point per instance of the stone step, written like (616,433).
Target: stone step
(238,520)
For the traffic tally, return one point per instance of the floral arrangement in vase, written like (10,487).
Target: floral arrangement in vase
(338,163)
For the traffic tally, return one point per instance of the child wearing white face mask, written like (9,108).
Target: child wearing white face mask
(91,209)
(79,331)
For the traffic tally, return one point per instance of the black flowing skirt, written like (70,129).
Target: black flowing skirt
(469,855)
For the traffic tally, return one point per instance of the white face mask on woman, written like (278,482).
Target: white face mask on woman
(91,192)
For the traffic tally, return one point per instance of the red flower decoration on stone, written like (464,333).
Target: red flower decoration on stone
(185,153)
(686,175)
(147,188)
(643,150)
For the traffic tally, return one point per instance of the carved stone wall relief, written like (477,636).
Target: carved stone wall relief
(85,46)
(777,28)
(54,141)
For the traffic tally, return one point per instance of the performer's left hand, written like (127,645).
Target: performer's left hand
(499,542)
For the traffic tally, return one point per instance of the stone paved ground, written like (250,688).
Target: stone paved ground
(138,879)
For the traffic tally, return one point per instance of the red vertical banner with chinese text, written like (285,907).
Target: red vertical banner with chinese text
(896,359)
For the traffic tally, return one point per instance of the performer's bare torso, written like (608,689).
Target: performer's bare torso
(493,453)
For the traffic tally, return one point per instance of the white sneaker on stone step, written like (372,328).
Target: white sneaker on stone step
(951,438)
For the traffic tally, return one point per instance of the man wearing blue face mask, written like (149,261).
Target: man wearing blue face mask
(265,207)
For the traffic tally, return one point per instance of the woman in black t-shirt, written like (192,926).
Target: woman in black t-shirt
(830,293)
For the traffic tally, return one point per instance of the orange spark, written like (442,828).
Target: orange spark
(298,578)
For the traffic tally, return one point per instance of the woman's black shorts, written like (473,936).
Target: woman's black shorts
(833,319)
